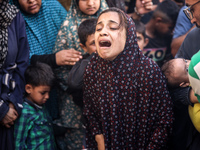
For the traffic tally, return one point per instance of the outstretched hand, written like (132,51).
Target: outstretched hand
(67,57)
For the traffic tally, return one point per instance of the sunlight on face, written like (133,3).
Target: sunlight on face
(109,38)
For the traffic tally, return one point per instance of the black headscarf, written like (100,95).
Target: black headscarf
(7,14)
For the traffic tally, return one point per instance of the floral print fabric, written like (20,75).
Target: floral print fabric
(126,100)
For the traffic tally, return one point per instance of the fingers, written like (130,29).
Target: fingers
(68,57)
(148,5)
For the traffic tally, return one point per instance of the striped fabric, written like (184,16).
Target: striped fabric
(42,28)
(194,74)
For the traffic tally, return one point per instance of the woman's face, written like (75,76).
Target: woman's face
(30,6)
(109,38)
(89,7)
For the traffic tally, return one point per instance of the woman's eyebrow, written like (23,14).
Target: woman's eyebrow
(111,21)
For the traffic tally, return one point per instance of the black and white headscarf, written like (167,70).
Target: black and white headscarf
(7,14)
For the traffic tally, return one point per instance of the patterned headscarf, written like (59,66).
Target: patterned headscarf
(126,99)
(68,35)
(7,14)
(42,28)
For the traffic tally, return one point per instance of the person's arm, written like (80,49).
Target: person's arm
(182,95)
(141,8)
(192,97)
(100,141)
(48,59)
(75,78)
(22,60)
(21,131)
(176,43)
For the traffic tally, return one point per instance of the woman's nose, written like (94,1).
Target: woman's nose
(90,2)
(30,1)
(103,32)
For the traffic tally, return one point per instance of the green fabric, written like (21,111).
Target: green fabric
(194,74)
(33,129)
(70,113)
(68,36)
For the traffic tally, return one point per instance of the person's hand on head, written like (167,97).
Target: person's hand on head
(68,57)
(10,117)
(144,6)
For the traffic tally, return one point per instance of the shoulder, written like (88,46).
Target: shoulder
(28,110)
(193,33)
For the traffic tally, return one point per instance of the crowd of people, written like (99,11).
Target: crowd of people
(103,74)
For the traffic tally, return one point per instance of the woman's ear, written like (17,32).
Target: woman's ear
(28,88)
(146,41)
(184,84)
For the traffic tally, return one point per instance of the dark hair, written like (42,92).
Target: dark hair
(168,10)
(116,3)
(39,74)
(122,16)
(168,70)
(86,28)
(77,2)
(140,27)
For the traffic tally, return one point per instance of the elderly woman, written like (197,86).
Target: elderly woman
(14,53)
(127,105)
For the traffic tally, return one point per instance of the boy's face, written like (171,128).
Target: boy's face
(181,69)
(163,28)
(38,94)
(30,6)
(89,46)
(141,41)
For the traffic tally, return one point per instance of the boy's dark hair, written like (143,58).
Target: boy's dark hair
(39,74)
(168,70)
(140,27)
(86,28)
(168,10)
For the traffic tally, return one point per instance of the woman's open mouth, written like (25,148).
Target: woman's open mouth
(104,43)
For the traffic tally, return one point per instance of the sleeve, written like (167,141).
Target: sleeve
(49,59)
(164,110)
(21,131)
(75,79)
(16,97)
(190,45)
(183,24)
(93,125)
(181,95)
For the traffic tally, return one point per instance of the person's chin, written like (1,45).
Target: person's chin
(34,12)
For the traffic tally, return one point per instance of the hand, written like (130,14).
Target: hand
(68,57)
(144,6)
(10,117)
(100,141)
